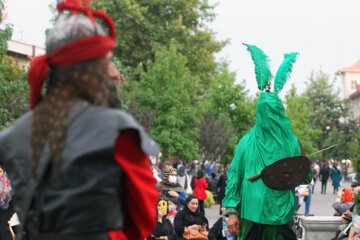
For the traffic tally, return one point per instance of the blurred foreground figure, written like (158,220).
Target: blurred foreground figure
(79,169)
(256,211)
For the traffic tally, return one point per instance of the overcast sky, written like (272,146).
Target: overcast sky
(326,33)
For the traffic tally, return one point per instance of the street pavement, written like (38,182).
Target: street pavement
(320,203)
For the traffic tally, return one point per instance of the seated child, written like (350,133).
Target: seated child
(220,230)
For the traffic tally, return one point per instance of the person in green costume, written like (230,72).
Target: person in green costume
(257,212)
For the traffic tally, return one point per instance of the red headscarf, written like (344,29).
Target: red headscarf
(347,195)
(87,48)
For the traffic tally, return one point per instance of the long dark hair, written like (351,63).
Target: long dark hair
(200,174)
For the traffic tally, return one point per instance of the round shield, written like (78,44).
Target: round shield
(286,173)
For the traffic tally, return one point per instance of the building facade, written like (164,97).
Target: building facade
(350,77)
(22,53)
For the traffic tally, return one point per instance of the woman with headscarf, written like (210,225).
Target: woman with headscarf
(189,217)
(171,188)
(6,207)
(343,202)
(335,176)
(199,190)
(164,229)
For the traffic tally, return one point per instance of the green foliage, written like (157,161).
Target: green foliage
(299,114)
(356,163)
(232,112)
(13,100)
(324,105)
(13,87)
(143,26)
(167,88)
(345,134)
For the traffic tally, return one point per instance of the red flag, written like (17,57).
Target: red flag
(4,15)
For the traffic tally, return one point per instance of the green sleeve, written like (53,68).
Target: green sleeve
(233,183)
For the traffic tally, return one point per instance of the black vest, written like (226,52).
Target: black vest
(88,198)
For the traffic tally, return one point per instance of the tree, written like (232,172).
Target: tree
(324,105)
(167,89)
(229,105)
(345,134)
(144,26)
(299,114)
(215,136)
(356,162)
(13,87)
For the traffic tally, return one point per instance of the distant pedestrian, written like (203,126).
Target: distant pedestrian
(316,170)
(308,198)
(335,176)
(344,171)
(199,190)
(324,176)
(222,187)
(181,169)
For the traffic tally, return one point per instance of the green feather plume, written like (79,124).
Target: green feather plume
(262,69)
(284,71)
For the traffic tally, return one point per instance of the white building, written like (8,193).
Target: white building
(351,89)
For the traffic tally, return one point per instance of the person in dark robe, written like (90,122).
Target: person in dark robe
(324,176)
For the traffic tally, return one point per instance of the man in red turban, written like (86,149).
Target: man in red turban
(80,169)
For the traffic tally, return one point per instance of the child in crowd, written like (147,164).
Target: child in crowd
(173,205)
(164,230)
(220,230)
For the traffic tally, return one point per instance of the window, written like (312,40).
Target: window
(353,84)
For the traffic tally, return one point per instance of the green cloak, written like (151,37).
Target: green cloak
(270,139)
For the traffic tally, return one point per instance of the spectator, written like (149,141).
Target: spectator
(173,206)
(315,175)
(344,171)
(355,229)
(190,216)
(221,186)
(164,167)
(301,192)
(199,190)
(171,188)
(335,176)
(324,176)
(341,233)
(181,174)
(6,206)
(164,229)
(308,198)
(220,230)
(343,202)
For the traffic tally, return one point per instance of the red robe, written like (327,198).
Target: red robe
(140,196)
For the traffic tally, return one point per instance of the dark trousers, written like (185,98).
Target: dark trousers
(201,206)
(313,187)
(255,232)
(323,186)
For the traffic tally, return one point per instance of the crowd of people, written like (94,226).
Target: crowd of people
(184,191)
(326,172)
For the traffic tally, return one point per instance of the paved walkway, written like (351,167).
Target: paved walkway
(320,203)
